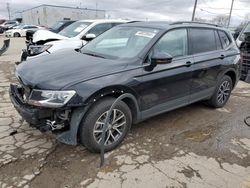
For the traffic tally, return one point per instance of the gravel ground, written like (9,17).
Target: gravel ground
(194,146)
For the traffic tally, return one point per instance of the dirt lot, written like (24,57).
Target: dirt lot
(195,146)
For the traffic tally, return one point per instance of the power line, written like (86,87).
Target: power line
(225,8)
(210,12)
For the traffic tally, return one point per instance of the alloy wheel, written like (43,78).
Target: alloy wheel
(115,129)
(224,92)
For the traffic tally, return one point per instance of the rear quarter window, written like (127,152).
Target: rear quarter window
(202,40)
(225,40)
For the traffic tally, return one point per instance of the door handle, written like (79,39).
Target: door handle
(222,56)
(188,64)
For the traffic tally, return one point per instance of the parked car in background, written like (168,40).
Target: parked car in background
(58,26)
(241,36)
(8,24)
(20,31)
(74,36)
(160,66)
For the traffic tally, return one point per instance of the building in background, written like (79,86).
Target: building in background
(47,15)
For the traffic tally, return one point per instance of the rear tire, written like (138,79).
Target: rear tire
(17,35)
(92,123)
(222,92)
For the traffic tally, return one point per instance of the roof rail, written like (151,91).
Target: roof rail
(190,22)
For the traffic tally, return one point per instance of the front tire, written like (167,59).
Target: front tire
(222,92)
(92,124)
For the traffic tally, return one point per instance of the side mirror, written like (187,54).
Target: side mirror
(161,58)
(90,36)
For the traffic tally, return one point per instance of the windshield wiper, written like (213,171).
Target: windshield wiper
(95,55)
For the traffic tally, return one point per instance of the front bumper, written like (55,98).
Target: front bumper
(33,115)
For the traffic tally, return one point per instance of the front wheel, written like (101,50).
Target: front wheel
(118,125)
(222,92)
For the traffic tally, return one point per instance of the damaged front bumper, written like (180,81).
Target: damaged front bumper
(63,122)
(33,115)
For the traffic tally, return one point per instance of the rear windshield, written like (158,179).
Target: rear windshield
(74,29)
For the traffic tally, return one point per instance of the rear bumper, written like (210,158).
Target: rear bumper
(33,115)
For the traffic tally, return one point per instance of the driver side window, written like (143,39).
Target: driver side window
(173,43)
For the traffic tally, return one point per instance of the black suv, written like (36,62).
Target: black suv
(161,66)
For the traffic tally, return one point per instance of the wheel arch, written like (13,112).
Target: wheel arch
(116,91)
(232,75)
(19,35)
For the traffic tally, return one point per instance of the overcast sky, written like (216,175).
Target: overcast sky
(171,10)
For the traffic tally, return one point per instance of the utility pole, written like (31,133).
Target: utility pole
(230,14)
(8,9)
(195,4)
(96,5)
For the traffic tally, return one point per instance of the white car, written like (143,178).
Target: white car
(8,24)
(74,36)
(20,31)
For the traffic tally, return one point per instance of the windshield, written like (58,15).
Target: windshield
(19,26)
(74,29)
(246,29)
(57,25)
(121,42)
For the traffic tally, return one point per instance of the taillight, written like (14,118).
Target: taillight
(241,57)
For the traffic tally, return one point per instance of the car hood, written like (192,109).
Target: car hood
(65,68)
(43,35)
(65,44)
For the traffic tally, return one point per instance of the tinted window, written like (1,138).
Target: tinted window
(218,42)
(202,40)
(173,42)
(224,39)
(100,28)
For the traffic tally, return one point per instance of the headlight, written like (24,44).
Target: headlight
(38,49)
(51,99)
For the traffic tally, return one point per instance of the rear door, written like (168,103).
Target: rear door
(208,54)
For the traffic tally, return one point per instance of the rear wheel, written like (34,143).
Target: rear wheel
(222,92)
(17,35)
(118,125)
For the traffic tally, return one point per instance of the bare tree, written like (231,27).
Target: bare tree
(220,20)
(198,19)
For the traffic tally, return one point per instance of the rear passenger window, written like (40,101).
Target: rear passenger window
(218,43)
(224,39)
(173,42)
(202,40)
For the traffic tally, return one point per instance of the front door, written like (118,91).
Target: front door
(167,86)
